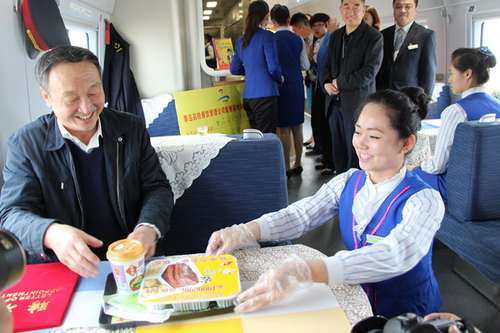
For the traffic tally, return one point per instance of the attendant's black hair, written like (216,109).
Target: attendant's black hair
(479,60)
(280,14)
(418,96)
(299,19)
(403,114)
(257,11)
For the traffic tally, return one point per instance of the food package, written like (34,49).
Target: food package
(190,283)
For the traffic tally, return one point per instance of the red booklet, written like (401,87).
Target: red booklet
(40,299)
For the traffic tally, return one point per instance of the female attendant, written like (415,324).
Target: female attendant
(256,57)
(469,71)
(388,218)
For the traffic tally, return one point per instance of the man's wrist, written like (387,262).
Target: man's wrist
(152,226)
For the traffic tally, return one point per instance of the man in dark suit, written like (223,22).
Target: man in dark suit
(409,51)
(354,58)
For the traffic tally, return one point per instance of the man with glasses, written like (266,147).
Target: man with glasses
(409,51)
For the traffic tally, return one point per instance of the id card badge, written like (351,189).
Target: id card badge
(372,239)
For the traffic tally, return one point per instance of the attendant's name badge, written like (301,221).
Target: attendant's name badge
(412,46)
(372,239)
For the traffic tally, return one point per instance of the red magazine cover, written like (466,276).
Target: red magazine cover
(40,299)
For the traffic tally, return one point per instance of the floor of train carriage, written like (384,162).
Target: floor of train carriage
(458,296)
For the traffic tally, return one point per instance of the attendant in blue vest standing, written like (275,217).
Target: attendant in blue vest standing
(469,71)
(256,57)
(291,100)
(388,218)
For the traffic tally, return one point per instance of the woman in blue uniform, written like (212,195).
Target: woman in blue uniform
(292,57)
(469,71)
(256,57)
(388,218)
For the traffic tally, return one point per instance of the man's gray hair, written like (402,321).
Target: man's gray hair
(59,55)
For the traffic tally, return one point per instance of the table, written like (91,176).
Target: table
(85,305)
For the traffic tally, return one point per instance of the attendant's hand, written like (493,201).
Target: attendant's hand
(147,236)
(274,285)
(444,316)
(71,246)
(5,318)
(232,238)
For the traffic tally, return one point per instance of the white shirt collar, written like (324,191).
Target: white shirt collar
(94,140)
(473,90)
(371,196)
(405,28)
(281,28)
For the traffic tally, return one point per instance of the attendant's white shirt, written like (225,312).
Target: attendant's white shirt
(317,46)
(450,118)
(394,255)
(94,143)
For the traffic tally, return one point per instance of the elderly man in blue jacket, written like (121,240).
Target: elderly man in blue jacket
(83,176)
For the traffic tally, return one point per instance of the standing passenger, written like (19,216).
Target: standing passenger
(256,57)
(387,215)
(469,70)
(354,58)
(409,51)
(291,99)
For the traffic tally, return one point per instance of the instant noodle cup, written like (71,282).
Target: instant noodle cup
(126,257)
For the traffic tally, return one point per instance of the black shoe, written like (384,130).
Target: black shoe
(294,172)
(309,147)
(312,152)
(327,172)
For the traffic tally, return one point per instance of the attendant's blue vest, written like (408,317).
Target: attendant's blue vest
(415,291)
(478,104)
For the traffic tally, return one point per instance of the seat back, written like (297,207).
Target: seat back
(473,175)
(246,180)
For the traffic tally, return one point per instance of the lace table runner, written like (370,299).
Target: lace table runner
(183,158)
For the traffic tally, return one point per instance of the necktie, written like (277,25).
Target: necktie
(398,41)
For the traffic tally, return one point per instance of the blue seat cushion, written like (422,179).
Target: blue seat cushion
(473,175)
(476,243)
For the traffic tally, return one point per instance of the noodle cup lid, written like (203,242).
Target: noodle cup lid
(125,250)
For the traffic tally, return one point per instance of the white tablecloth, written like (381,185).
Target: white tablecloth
(426,143)
(183,158)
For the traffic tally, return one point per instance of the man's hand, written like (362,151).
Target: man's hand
(147,236)
(71,246)
(331,89)
(5,318)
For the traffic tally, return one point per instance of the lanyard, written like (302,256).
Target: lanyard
(382,219)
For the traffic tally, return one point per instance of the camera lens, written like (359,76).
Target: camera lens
(12,260)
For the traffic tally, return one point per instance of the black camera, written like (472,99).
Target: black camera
(12,259)
(408,323)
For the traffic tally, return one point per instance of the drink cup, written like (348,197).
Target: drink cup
(126,257)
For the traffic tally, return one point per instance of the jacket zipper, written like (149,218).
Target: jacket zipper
(77,186)
(118,196)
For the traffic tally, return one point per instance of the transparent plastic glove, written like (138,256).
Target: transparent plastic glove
(274,285)
(237,236)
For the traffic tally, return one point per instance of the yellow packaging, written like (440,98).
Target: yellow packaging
(190,279)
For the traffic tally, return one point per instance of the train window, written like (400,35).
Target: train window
(222,25)
(82,36)
(485,30)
